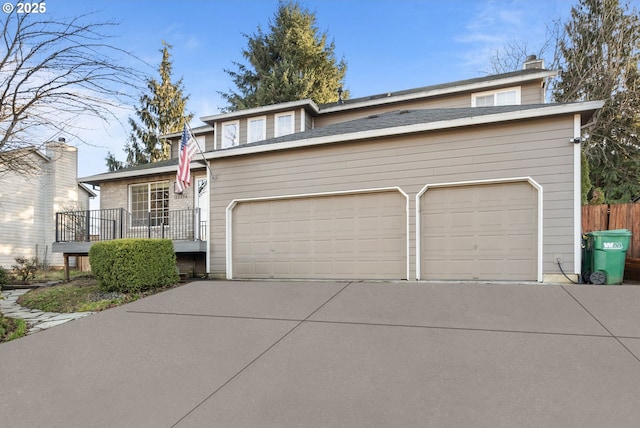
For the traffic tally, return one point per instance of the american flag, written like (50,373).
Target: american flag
(187,151)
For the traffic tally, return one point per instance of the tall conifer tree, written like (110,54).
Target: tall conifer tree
(292,61)
(161,111)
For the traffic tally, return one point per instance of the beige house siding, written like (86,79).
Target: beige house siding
(205,147)
(533,148)
(530,93)
(63,192)
(21,216)
(209,142)
(309,122)
(533,93)
(28,205)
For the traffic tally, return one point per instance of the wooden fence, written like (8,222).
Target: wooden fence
(611,217)
(618,216)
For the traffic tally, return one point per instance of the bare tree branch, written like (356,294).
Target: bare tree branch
(53,71)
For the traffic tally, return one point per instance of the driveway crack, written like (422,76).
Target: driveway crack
(601,324)
(273,345)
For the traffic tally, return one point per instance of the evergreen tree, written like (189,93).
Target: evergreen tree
(601,53)
(161,111)
(292,61)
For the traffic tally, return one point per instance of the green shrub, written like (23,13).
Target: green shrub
(4,277)
(133,265)
(26,268)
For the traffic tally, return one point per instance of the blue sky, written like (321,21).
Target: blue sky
(388,45)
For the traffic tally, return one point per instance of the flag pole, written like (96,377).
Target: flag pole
(206,163)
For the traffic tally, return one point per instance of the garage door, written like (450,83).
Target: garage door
(479,232)
(361,235)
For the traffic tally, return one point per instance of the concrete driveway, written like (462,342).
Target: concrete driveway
(336,354)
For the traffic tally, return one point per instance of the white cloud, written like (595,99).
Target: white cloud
(495,24)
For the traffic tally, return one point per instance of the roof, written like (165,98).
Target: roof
(397,122)
(89,192)
(154,168)
(308,104)
(408,121)
(475,84)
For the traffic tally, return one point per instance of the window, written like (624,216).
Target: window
(504,97)
(149,203)
(284,124)
(257,128)
(230,134)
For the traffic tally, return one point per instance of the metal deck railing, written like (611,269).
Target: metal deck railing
(116,223)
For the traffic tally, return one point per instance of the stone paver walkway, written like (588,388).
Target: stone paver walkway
(36,320)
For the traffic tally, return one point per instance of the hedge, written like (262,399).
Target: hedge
(133,265)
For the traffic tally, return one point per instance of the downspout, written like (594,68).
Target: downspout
(577,196)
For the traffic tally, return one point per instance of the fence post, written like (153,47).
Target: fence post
(121,222)
(57,227)
(149,224)
(88,227)
(196,224)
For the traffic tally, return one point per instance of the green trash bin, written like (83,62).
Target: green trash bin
(604,255)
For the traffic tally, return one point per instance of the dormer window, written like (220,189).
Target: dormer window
(502,97)
(284,124)
(257,129)
(230,134)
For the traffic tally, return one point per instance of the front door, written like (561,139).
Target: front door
(202,202)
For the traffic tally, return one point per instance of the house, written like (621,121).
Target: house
(28,203)
(472,180)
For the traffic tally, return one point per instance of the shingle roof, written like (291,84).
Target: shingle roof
(467,82)
(388,120)
(394,119)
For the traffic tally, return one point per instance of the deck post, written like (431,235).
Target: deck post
(66,266)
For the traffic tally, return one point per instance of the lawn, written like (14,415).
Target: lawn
(81,294)
(11,329)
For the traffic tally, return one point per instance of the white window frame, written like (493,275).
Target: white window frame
(277,132)
(224,142)
(252,138)
(495,94)
(201,139)
(155,217)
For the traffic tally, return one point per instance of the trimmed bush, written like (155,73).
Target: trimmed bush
(133,265)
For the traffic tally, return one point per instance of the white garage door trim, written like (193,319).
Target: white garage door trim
(233,203)
(531,181)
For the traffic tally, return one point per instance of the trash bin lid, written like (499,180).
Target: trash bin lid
(615,232)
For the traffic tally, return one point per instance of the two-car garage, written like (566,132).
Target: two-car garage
(463,231)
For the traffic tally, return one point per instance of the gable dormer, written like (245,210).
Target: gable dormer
(262,123)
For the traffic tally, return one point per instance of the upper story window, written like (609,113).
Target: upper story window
(502,97)
(257,129)
(149,203)
(284,124)
(230,134)
(200,139)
